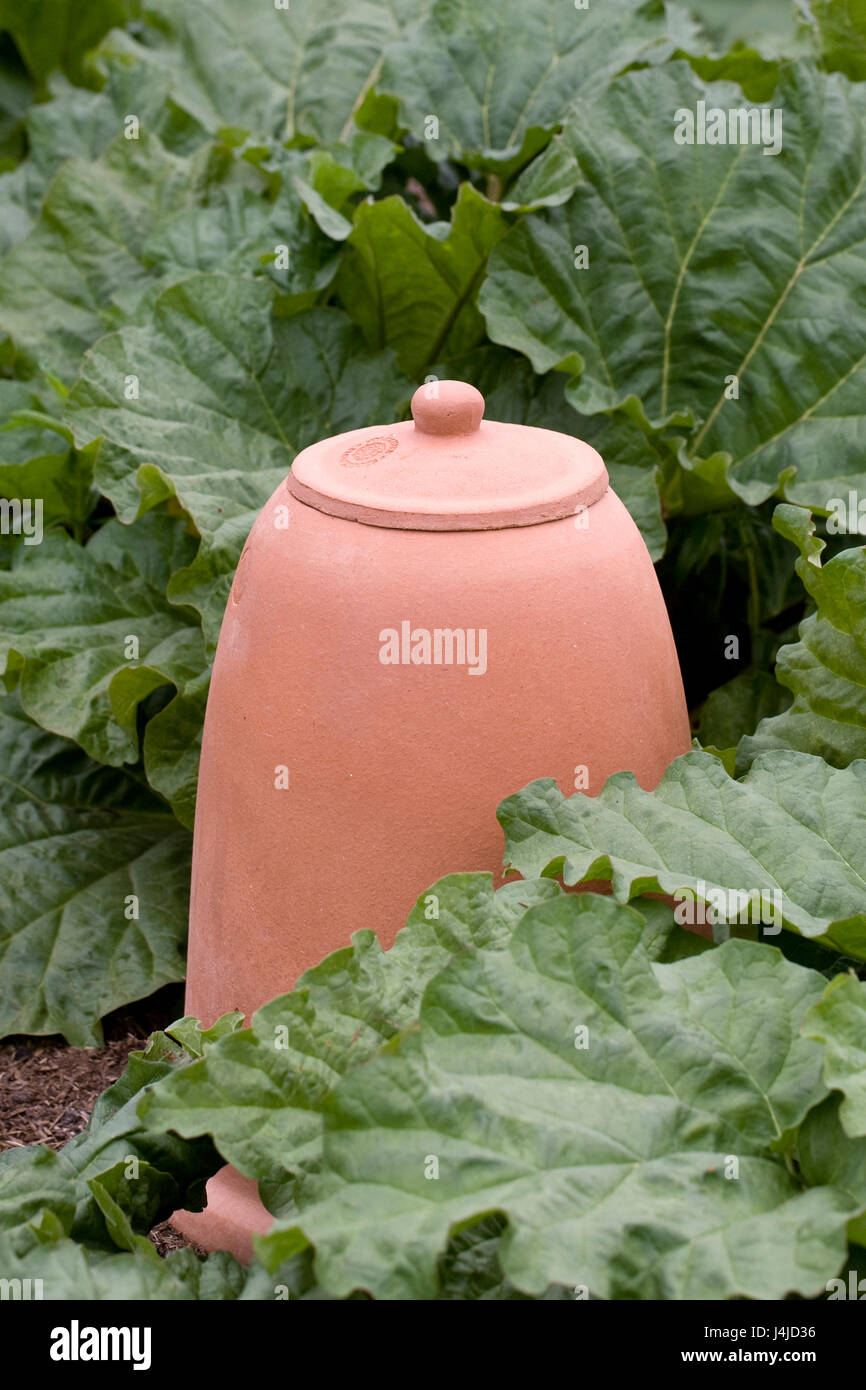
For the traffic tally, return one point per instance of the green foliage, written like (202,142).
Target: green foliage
(839,30)
(230,230)
(607,1160)
(789,828)
(260,1093)
(52,34)
(826,667)
(581,1084)
(707,264)
(94,875)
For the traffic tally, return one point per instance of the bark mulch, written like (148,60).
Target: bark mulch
(48,1089)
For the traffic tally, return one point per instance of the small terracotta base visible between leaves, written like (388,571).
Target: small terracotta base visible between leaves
(233,1215)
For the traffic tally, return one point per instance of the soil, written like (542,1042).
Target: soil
(48,1089)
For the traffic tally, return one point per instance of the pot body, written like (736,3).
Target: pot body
(337,784)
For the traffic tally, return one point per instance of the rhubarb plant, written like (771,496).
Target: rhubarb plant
(634,1070)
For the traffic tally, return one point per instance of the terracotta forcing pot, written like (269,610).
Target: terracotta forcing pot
(425,617)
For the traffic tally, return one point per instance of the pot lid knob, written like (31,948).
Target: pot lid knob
(447,408)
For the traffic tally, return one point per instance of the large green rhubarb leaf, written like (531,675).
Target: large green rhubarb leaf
(169,1171)
(58,285)
(827,1154)
(793,829)
(841,35)
(618,1112)
(738,706)
(94,877)
(92,633)
(36,461)
(16,97)
(228,395)
(826,668)
(715,283)
(31,1180)
(260,1092)
(497,79)
(81,124)
(295,70)
(172,747)
(413,287)
(114,229)
(773,27)
(839,1021)
(71,1272)
(112,1182)
(52,34)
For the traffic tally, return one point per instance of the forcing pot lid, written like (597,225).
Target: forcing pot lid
(448,469)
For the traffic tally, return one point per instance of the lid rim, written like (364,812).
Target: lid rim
(499,519)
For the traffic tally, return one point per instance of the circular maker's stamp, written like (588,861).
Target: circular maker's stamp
(370,451)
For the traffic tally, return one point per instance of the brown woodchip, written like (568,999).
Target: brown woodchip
(48,1089)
